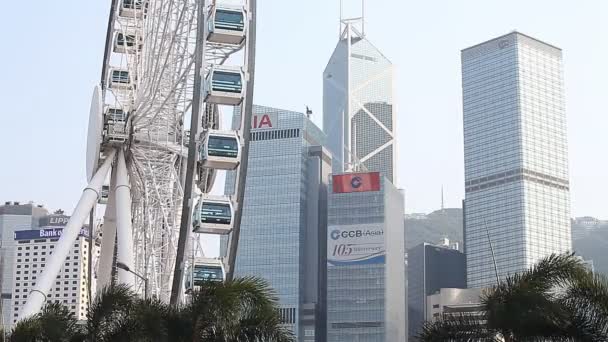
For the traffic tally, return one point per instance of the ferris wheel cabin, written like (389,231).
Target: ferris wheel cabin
(120,79)
(132,8)
(205,269)
(115,125)
(221,150)
(186,138)
(104,195)
(213,215)
(127,43)
(227,26)
(224,85)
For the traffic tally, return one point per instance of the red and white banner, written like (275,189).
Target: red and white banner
(356,182)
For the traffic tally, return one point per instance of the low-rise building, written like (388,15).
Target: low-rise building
(33,249)
(452,301)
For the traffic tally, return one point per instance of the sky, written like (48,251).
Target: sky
(51,58)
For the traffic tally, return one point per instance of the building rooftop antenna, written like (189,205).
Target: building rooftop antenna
(442,203)
(349,20)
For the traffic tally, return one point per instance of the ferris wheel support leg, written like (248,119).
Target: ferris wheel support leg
(89,197)
(124,228)
(108,239)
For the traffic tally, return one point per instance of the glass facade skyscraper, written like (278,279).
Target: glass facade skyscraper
(284,224)
(365,255)
(516,155)
(358,113)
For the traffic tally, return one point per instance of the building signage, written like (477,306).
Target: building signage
(49,233)
(355,245)
(59,220)
(264,121)
(356,182)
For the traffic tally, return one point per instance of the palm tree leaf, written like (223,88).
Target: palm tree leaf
(109,312)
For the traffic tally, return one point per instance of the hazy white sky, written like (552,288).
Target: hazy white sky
(51,57)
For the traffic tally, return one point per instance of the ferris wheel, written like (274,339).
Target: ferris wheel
(168,65)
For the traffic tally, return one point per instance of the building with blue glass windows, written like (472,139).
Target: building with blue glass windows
(516,156)
(365,260)
(284,229)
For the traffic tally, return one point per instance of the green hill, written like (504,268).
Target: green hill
(433,227)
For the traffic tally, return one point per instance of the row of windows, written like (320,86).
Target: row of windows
(288,315)
(275,134)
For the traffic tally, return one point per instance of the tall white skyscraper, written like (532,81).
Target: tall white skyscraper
(358,113)
(516,156)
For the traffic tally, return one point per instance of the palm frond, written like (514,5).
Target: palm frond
(109,312)
(27,330)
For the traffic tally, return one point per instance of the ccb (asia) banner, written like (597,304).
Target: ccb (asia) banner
(355,245)
(356,182)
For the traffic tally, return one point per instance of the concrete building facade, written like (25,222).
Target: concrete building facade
(14,216)
(32,250)
(365,260)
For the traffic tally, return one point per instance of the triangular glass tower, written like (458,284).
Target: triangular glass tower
(358,112)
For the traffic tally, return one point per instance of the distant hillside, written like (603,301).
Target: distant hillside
(594,247)
(592,244)
(589,242)
(433,227)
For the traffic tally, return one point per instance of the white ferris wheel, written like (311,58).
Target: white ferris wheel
(171,70)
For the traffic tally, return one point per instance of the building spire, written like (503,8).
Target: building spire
(346,19)
(442,203)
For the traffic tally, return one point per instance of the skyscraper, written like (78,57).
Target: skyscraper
(284,224)
(365,260)
(516,155)
(358,113)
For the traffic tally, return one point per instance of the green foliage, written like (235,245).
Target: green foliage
(55,323)
(240,310)
(556,300)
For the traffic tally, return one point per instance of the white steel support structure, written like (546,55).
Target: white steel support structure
(106,255)
(146,98)
(124,230)
(87,200)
